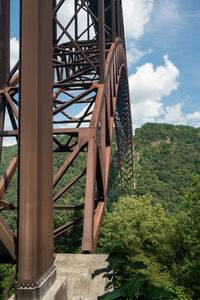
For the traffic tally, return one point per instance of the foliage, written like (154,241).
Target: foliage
(190,268)
(156,238)
(156,221)
(70,241)
(167,158)
(5,276)
(125,282)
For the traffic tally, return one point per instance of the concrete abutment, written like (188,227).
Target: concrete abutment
(74,280)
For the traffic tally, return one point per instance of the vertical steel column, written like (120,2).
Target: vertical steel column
(76,20)
(118,19)
(88,25)
(101,35)
(88,229)
(54,26)
(4,42)
(35,260)
(113,21)
(101,19)
(4,58)
(2,119)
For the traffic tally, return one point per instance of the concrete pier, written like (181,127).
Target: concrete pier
(77,270)
(74,280)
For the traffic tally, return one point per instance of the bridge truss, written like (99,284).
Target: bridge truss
(80,95)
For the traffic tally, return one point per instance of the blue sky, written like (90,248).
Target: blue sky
(163,50)
(164,90)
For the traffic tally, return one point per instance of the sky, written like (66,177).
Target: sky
(163,52)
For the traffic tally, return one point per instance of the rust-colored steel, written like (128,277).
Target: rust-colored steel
(101,40)
(88,74)
(6,178)
(4,42)
(4,58)
(7,245)
(35,236)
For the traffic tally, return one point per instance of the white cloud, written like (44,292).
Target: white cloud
(14,51)
(134,54)
(81,113)
(195,116)
(148,86)
(14,56)
(7,124)
(173,115)
(137,14)
(148,83)
(64,15)
(9,141)
(194,119)
(145,111)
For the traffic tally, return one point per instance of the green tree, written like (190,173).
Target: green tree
(166,159)
(6,272)
(142,225)
(125,279)
(190,268)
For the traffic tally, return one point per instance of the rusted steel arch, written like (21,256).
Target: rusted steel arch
(123,127)
(107,111)
(108,98)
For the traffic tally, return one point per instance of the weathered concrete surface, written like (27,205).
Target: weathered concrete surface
(77,269)
(57,291)
(74,281)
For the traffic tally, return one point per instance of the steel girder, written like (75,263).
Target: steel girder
(89,70)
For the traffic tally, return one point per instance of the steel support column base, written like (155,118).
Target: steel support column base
(36,290)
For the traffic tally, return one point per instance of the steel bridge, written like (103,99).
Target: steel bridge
(70,81)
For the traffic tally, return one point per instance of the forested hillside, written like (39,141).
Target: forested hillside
(167,158)
(158,220)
